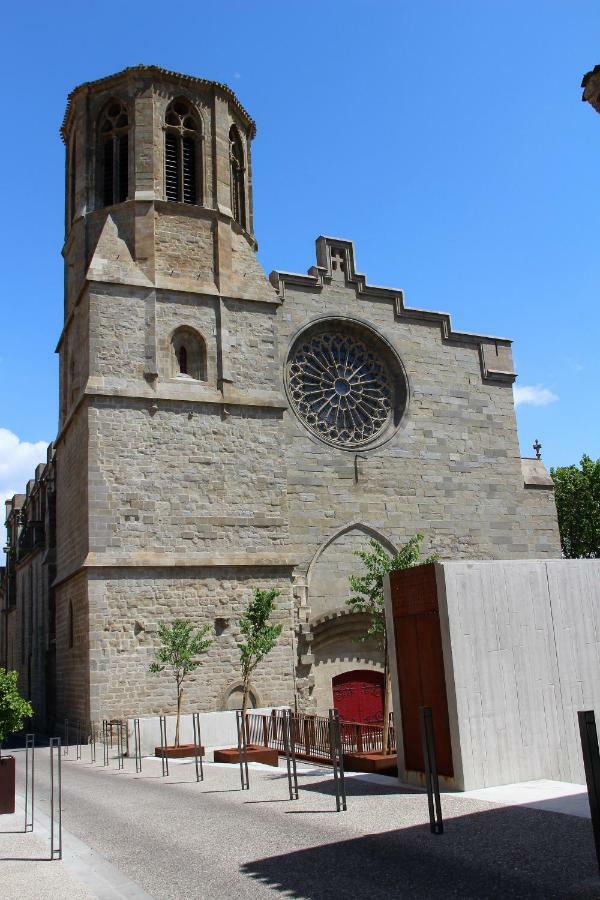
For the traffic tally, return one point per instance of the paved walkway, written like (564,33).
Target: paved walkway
(140,836)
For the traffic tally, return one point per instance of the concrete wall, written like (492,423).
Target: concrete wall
(521,643)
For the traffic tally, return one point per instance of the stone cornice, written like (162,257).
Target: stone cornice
(160,74)
(170,391)
(162,283)
(216,560)
(185,392)
(494,352)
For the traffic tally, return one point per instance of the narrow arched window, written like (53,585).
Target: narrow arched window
(114,154)
(182,357)
(181,152)
(236,166)
(188,354)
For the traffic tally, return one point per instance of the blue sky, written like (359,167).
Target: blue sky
(447,139)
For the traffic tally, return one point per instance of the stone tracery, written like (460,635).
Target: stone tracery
(340,388)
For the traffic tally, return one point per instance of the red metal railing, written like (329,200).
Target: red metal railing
(311,735)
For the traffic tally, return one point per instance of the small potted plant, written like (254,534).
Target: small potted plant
(180,647)
(13,712)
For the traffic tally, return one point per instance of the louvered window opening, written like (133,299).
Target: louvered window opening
(115,154)
(236,168)
(181,180)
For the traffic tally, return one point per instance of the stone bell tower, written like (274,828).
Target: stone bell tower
(170,472)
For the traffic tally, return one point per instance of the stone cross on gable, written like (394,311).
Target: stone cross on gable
(338,263)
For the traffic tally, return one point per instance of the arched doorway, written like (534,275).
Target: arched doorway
(358,696)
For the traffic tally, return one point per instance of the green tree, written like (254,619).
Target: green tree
(13,708)
(577,493)
(179,651)
(368,598)
(260,636)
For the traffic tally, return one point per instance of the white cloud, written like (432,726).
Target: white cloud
(18,460)
(533,395)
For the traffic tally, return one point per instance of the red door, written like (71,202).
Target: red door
(358,696)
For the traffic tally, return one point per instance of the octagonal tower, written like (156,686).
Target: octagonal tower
(170,471)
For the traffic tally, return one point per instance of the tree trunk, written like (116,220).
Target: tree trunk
(386,698)
(179,699)
(245,694)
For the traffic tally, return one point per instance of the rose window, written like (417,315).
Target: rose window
(340,388)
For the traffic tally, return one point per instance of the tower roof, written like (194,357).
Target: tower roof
(162,73)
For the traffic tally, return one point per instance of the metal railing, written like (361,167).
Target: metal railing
(311,735)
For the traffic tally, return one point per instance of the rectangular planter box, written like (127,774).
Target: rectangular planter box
(265,755)
(383,763)
(181,752)
(7,785)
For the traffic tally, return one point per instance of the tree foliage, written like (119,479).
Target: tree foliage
(260,635)
(13,708)
(181,645)
(367,589)
(577,493)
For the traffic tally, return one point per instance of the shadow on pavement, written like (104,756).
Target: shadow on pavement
(504,853)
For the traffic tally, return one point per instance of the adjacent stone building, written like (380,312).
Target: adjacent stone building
(27,593)
(221,430)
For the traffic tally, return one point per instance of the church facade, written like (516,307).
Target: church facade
(221,430)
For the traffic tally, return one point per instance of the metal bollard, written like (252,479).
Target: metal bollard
(78,738)
(163,745)
(120,755)
(337,761)
(290,755)
(66,738)
(340,751)
(591,763)
(105,742)
(92,737)
(55,792)
(432,783)
(29,780)
(197,747)
(242,750)
(138,745)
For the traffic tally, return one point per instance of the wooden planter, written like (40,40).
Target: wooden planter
(266,755)
(7,785)
(373,761)
(182,752)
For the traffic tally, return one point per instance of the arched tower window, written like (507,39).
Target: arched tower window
(114,154)
(182,355)
(188,354)
(181,152)
(236,166)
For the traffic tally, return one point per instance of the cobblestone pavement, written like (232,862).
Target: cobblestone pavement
(140,836)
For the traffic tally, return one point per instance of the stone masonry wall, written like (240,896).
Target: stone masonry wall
(72,495)
(452,469)
(184,245)
(72,663)
(185,479)
(126,609)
